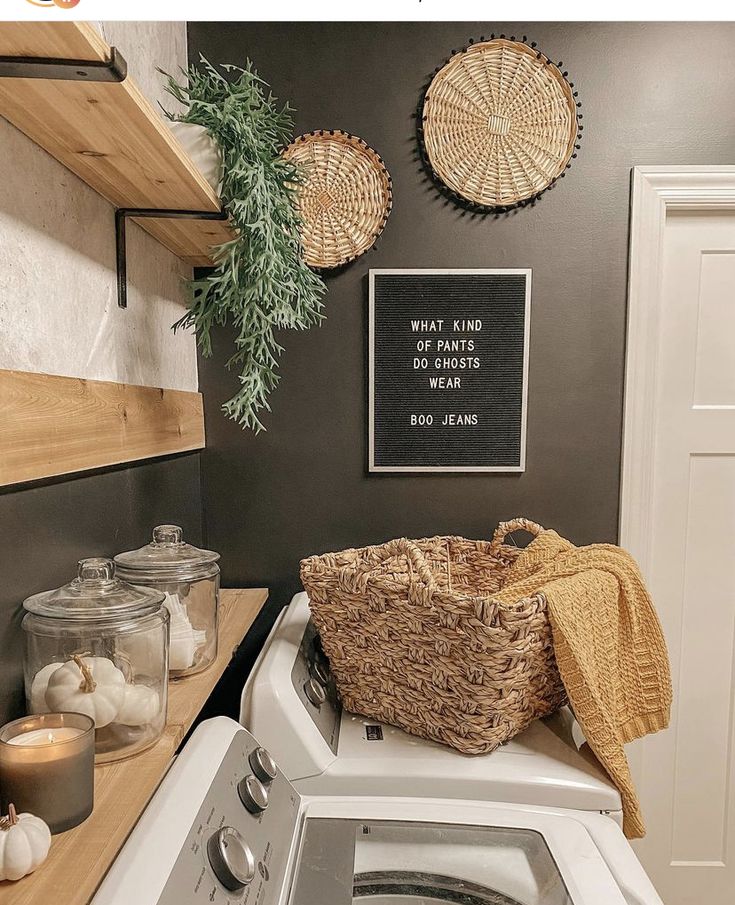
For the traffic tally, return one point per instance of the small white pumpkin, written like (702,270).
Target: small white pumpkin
(139,707)
(90,685)
(24,844)
(39,686)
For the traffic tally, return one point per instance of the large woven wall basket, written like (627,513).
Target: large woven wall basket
(345,199)
(498,124)
(415,638)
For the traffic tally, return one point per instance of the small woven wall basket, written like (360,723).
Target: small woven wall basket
(498,124)
(346,197)
(415,639)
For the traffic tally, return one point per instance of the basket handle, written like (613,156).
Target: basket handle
(516,524)
(403,546)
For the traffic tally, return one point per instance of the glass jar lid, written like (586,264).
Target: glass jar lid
(95,594)
(167,557)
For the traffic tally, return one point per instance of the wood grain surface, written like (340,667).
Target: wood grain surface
(109,134)
(189,240)
(55,40)
(79,858)
(53,425)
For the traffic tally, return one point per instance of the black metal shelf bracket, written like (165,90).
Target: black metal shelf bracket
(121,216)
(113,70)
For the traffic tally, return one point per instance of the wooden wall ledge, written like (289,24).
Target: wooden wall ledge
(53,425)
(80,858)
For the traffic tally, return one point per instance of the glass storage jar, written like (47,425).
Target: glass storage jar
(99,646)
(189,577)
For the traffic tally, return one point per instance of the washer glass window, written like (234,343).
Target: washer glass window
(386,863)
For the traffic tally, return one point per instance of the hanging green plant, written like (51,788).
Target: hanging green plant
(260,282)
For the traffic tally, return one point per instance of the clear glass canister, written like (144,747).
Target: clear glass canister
(189,577)
(99,646)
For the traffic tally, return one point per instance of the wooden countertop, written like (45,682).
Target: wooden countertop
(80,858)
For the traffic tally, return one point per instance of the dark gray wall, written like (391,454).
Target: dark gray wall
(46,528)
(652,94)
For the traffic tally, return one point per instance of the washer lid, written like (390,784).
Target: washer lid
(427,851)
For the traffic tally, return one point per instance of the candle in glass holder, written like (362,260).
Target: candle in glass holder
(47,767)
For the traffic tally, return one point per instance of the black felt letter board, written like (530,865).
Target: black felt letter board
(448,362)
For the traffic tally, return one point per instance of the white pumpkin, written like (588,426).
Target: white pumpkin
(90,685)
(39,686)
(24,844)
(139,707)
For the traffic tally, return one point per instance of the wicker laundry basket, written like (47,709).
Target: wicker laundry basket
(415,639)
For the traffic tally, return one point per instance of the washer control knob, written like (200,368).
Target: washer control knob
(315,692)
(262,765)
(231,859)
(320,671)
(253,794)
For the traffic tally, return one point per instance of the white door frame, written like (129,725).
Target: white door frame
(655,190)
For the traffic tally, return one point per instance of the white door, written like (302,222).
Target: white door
(678,516)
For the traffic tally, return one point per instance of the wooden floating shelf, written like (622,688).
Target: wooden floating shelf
(80,858)
(57,425)
(110,135)
(189,240)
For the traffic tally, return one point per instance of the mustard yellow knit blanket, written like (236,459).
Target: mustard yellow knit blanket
(609,648)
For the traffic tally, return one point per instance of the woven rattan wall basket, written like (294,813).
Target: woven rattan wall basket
(498,124)
(346,197)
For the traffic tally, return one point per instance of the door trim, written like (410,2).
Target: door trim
(655,190)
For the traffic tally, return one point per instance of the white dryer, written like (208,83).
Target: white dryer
(291,705)
(226,827)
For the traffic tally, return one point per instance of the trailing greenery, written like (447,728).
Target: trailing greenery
(260,283)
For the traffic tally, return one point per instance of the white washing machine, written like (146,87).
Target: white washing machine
(226,826)
(291,705)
